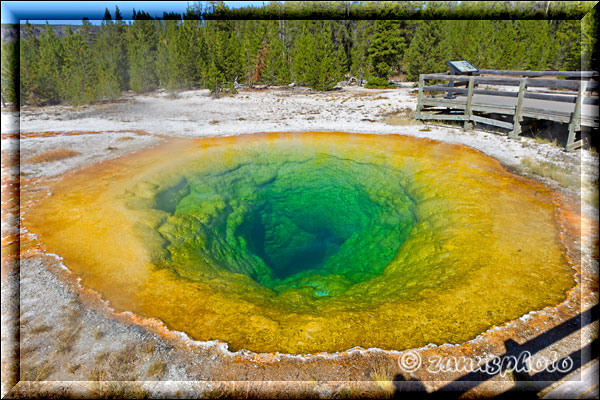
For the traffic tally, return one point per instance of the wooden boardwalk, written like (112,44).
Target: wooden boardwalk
(581,384)
(572,102)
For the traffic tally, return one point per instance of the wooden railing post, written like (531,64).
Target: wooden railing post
(420,98)
(518,118)
(574,125)
(468,124)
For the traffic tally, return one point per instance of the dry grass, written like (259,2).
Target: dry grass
(40,329)
(98,334)
(124,138)
(118,390)
(543,140)
(384,378)
(156,368)
(119,366)
(53,155)
(71,368)
(402,117)
(101,357)
(97,374)
(63,347)
(36,372)
(148,348)
(547,169)
(589,193)
(214,122)
(371,93)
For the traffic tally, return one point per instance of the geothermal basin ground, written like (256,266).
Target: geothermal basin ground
(68,334)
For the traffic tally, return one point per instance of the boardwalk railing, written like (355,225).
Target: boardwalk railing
(562,100)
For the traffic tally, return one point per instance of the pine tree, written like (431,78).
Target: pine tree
(277,68)
(109,55)
(253,38)
(473,41)
(304,57)
(188,53)
(260,62)
(362,36)
(10,72)
(317,60)
(424,54)
(569,39)
(28,51)
(215,80)
(142,54)
(506,43)
(202,62)
(167,62)
(87,33)
(79,79)
(232,66)
(536,44)
(589,39)
(387,48)
(50,63)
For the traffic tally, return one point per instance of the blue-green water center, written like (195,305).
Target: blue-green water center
(320,224)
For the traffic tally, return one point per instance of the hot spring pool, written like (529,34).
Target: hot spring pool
(310,242)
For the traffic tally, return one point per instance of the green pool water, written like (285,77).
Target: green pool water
(320,224)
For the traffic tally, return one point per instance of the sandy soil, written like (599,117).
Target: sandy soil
(68,334)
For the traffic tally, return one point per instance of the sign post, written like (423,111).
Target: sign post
(459,68)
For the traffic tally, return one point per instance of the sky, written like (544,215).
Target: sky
(71,12)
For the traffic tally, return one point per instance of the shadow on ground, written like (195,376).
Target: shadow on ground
(526,385)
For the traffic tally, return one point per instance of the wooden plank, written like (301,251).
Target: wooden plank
(589,122)
(502,108)
(574,145)
(546,106)
(564,98)
(577,384)
(491,121)
(420,98)
(575,118)
(468,111)
(445,102)
(549,117)
(566,74)
(456,117)
(488,108)
(558,84)
(541,111)
(517,117)
(530,82)
(546,116)
(457,100)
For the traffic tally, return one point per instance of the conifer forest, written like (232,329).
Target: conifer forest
(316,44)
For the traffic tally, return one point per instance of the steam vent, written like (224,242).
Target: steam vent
(310,242)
